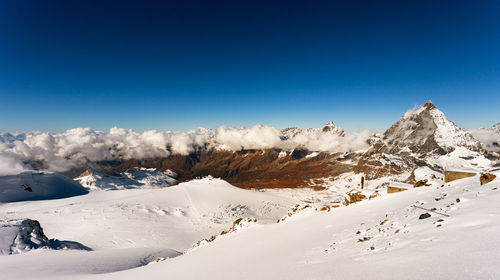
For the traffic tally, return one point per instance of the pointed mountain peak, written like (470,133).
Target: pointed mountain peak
(330,124)
(420,109)
(429,105)
(425,129)
(330,127)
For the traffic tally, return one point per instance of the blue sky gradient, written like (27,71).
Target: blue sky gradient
(176,65)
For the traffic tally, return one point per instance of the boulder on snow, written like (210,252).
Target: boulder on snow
(486,178)
(18,236)
(424,216)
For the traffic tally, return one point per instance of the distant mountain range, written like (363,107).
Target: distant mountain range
(259,157)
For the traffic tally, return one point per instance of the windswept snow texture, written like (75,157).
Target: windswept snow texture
(75,147)
(22,185)
(142,178)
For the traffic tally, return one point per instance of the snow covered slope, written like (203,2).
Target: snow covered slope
(133,227)
(442,231)
(131,179)
(426,130)
(21,185)
(390,237)
(173,217)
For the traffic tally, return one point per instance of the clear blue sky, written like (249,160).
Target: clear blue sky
(183,64)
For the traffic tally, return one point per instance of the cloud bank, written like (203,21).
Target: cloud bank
(75,147)
(489,137)
(6,162)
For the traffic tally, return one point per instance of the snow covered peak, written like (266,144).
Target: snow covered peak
(429,105)
(330,128)
(425,129)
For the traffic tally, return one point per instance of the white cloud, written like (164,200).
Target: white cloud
(255,137)
(487,136)
(6,162)
(330,142)
(62,151)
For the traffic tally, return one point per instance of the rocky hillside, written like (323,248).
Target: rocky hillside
(271,168)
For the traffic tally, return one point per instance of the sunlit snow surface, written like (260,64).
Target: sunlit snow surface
(378,239)
(382,238)
(129,228)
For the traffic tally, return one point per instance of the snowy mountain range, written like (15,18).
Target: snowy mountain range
(330,127)
(253,203)
(260,156)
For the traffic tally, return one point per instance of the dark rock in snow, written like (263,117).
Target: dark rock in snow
(424,216)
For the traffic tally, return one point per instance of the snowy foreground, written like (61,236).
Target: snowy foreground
(148,234)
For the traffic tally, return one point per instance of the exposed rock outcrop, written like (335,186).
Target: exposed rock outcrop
(19,236)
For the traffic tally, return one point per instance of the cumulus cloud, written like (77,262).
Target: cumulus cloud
(489,138)
(74,147)
(255,137)
(6,162)
(332,142)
